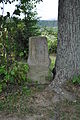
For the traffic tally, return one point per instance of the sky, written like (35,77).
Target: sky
(47,10)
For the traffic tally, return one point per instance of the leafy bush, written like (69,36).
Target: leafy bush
(52,64)
(51,34)
(76,79)
(52,46)
(17,74)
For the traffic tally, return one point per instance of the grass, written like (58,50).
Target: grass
(19,101)
(13,103)
(22,103)
(52,64)
(70,110)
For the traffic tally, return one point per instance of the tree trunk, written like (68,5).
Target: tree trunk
(68,49)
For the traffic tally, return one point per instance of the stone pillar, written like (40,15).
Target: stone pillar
(38,59)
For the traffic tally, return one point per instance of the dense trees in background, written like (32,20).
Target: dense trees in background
(48,23)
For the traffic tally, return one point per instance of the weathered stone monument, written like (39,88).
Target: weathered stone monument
(38,59)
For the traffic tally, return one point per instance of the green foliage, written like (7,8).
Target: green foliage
(76,79)
(17,74)
(52,64)
(51,34)
(52,46)
(14,39)
(26,90)
(11,1)
(0,88)
(2,70)
(27,27)
(19,30)
(24,31)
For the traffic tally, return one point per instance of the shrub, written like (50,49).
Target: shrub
(52,64)
(17,74)
(76,79)
(51,34)
(52,46)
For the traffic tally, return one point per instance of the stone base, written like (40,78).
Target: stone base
(40,74)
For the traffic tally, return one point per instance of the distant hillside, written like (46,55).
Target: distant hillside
(47,23)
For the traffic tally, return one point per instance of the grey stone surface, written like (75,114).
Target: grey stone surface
(38,51)
(38,59)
